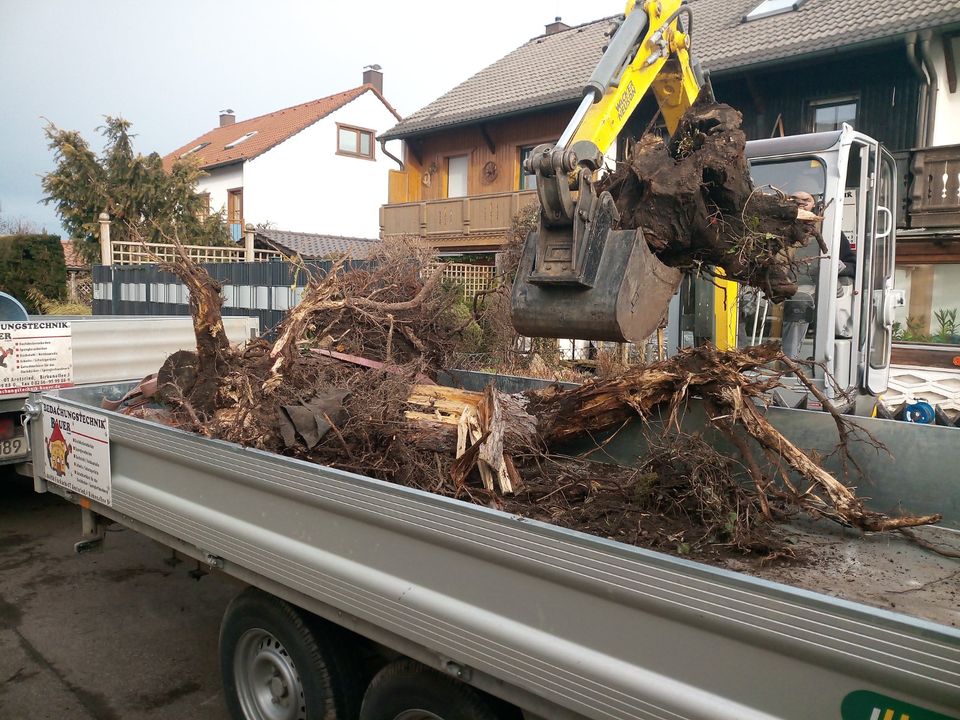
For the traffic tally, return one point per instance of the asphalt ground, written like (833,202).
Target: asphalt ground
(116,634)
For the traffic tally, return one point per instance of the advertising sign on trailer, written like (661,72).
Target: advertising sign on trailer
(35,355)
(77,451)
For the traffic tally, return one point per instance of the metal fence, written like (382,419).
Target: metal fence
(262,289)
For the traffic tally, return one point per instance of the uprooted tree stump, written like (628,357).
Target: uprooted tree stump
(193,380)
(694,201)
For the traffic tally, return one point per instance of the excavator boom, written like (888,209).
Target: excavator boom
(579,276)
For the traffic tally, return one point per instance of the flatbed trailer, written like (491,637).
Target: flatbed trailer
(516,618)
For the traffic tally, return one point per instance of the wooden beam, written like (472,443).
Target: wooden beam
(921,295)
(416,149)
(491,146)
(950,59)
(927,251)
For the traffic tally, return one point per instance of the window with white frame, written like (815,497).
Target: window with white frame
(457,167)
(766,8)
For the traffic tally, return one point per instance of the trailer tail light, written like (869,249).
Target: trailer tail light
(8,427)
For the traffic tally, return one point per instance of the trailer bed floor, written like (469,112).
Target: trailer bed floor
(885,571)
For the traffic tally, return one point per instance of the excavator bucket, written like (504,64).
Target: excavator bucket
(622,295)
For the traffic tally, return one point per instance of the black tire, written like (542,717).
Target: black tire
(405,687)
(279,663)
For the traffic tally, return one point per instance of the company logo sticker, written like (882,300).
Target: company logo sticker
(866,705)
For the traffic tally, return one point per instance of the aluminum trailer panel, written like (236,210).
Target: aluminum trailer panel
(556,621)
(113,348)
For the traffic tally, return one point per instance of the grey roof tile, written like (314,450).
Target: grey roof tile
(723,41)
(314,245)
(547,70)
(552,69)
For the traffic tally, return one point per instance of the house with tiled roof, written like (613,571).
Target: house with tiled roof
(887,67)
(314,167)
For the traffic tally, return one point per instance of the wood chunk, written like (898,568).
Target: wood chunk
(462,431)
(431,417)
(486,473)
(512,472)
(491,454)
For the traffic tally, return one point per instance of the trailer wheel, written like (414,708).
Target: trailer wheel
(407,690)
(278,663)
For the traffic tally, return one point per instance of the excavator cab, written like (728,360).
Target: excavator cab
(578,277)
(842,316)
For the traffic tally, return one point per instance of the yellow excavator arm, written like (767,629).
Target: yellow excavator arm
(579,278)
(633,66)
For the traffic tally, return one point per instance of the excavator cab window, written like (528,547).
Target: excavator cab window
(842,315)
(794,322)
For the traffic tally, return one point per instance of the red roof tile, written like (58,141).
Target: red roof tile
(269,130)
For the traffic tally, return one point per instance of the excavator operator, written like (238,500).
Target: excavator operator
(800,309)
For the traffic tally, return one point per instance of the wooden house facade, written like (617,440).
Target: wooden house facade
(461,187)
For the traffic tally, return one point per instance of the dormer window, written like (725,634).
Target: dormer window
(242,138)
(194,149)
(772,7)
(354,141)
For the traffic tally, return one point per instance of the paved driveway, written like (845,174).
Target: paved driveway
(111,635)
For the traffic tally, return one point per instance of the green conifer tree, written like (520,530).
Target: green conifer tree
(142,199)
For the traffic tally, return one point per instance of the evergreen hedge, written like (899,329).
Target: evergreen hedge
(32,261)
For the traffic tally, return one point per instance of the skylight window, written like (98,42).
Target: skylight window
(194,149)
(239,140)
(772,7)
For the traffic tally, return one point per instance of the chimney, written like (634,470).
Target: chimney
(556,26)
(373,75)
(227,118)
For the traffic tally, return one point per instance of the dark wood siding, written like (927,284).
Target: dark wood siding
(882,80)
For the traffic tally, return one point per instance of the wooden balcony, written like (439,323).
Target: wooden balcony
(935,187)
(474,221)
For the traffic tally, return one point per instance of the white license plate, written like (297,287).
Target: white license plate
(13,447)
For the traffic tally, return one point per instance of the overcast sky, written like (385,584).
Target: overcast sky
(169,66)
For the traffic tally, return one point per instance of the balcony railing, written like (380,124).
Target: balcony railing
(935,187)
(931,177)
(475,216)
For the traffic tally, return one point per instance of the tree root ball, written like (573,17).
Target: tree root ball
(694,201)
